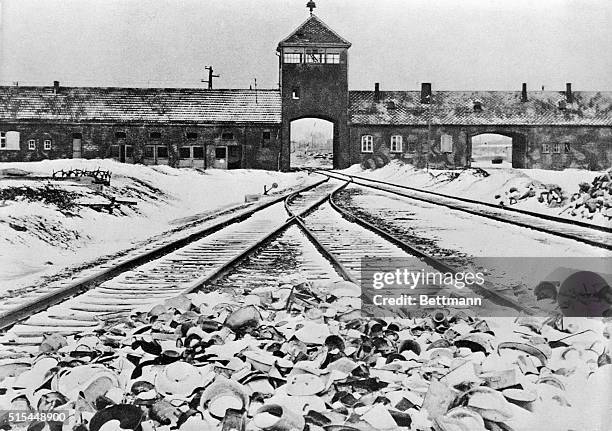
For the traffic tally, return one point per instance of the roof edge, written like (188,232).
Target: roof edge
(345,43)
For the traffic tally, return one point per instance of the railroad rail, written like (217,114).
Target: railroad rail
(566,228)
(17,308)
(240,252)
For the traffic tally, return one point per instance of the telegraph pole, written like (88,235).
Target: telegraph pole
(210,77)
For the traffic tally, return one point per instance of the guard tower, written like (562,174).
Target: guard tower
(313,76)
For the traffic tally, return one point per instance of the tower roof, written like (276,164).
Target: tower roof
(312,32)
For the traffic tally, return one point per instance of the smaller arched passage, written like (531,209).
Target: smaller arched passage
(311,143)
(498,149)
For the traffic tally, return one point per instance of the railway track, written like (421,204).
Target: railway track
(597,236)
(306,233)
(199,264)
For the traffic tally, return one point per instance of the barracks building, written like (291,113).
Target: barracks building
(215,128)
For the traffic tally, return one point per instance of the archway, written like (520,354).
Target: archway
(498,150)
(312,143)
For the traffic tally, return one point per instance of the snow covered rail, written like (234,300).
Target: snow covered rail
(19,308)
(487,291)
(344,239)
(597,236)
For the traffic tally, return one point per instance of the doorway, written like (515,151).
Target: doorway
(77,145)
(312,143)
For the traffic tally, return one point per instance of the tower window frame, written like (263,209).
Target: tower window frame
(31,144)
(367,144)
(332,58)
(314,56)
(292,57)
(47,144)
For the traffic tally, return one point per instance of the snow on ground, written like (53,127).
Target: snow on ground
(39,239)
(470,184)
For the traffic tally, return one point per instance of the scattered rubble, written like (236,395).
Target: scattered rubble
(589,200)
(593,198)
(300,356)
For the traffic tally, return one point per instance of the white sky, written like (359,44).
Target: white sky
(455,44)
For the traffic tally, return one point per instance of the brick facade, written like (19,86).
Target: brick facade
(533,146)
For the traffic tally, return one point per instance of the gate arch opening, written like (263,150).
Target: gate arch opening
(311,143)
(498,150)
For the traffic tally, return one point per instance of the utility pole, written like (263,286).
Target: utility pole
(210,77)
(255,79)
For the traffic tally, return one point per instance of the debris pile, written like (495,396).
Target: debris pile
(302,357)
(593,198)
(99,176)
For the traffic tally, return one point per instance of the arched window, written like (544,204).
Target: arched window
(367,144)
(397,144)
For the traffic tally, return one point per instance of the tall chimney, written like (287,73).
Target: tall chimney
(376,92)
(425,92)
(524,92)
(56,87)
(568,93)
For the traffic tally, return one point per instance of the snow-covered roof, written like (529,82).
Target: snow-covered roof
(157,105)
(498,108)
(314,31)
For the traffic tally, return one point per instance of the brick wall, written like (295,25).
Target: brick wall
(589,147)
(97,139)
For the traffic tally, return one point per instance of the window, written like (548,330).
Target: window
(367,144)
(114,151)
(47,144)
(162,152)
(314,56)
(185,152)
(198,152)
(446,143)
(333,58)
(2,139)
(220,152)
(425,147)
(149,152)
(266,135)
(567,147)
(557,148)
(155,135)
(295,94)
(31,144)
(77,136)
(120,135)
(292,57)
(545,148)
(129,151)
(192,136)
(396,144)
(227,136)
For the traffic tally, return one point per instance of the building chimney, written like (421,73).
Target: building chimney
(524,92)
(376,92)
(425,92)
(568,93)
(56,87)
